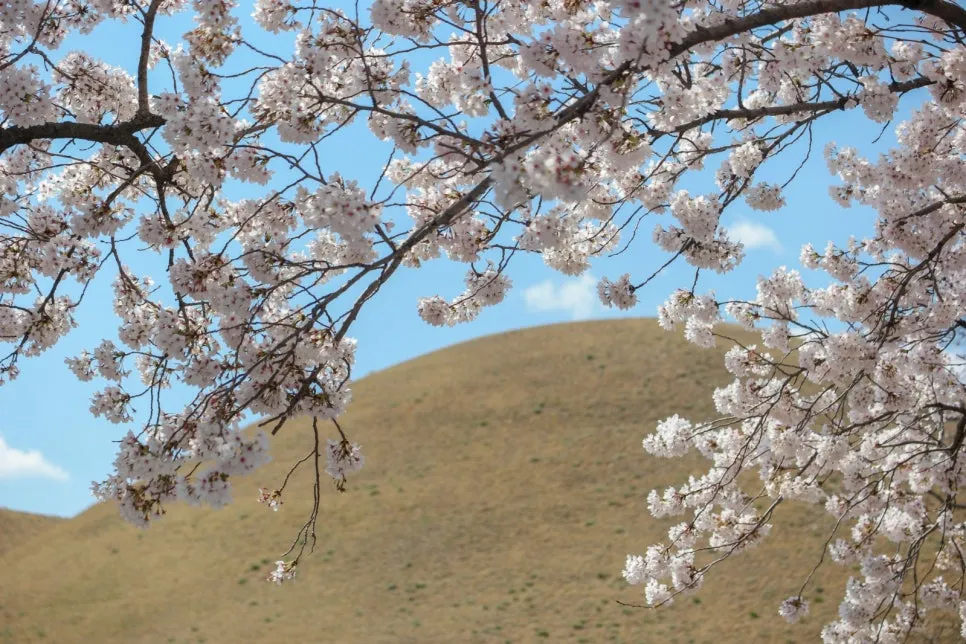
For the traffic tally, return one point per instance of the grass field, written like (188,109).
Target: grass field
(504,485)
(22,527)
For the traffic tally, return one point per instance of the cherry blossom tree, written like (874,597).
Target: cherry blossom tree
(554,128)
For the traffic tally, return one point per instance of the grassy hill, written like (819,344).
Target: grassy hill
(20,527)
(504,485)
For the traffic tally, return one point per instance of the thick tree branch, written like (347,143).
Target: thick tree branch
(146,37)
(119,134)
(951,13)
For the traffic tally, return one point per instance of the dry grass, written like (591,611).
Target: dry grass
(21,527)
(505,483)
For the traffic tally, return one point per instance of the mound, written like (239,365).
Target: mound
(504,485)
(21,527)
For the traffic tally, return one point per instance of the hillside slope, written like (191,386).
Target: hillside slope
(504,485)
(22,527)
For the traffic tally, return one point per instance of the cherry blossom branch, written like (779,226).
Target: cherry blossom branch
(147,35)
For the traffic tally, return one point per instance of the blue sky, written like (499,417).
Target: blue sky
(51,448)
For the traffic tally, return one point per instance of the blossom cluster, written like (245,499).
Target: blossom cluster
(545,128)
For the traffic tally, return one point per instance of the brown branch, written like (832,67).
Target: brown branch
(794,108)
(120,134)
(951,13)
(146,36)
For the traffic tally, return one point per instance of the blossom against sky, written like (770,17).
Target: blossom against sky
(45,419)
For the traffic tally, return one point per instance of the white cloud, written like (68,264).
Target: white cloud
(754,235)
(577,296)
(15,463)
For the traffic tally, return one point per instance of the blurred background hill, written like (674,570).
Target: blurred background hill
(504,485)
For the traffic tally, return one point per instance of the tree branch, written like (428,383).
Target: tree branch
(146,35)
(119,134)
